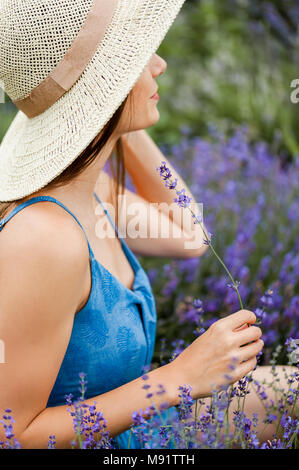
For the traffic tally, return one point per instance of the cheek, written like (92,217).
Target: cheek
(140,101)
(138,96)
(143,88)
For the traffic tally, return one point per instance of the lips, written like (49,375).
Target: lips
(156,92)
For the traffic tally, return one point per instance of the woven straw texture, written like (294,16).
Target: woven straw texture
(34,36)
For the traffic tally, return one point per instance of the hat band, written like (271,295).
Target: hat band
(73,64)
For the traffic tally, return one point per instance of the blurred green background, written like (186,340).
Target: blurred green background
(229,63)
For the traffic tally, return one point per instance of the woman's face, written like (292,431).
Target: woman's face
(141,109)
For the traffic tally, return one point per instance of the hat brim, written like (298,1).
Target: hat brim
(34,151)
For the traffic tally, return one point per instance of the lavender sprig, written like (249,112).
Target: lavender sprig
(184,201)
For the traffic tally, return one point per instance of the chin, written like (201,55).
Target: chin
(150,120)
(146,124)
(154,118)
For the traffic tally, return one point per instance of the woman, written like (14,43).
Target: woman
(71,301)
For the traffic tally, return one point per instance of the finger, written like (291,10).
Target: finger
(247,352)
(247,335)
(246,367)
(235,320)
(243,327)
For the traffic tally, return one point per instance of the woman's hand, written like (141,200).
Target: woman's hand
(205,364)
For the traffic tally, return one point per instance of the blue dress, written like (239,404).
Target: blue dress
(113,335)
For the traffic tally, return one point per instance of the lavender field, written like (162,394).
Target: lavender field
(230,130)
(251,209)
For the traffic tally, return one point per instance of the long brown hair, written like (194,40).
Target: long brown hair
(85,159)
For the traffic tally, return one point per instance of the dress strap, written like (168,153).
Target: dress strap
(38,199)
(130,255)
(108,215)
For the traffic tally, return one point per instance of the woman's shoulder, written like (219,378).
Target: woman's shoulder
(45,244)
(42,227)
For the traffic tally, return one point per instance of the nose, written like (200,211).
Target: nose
(159,65)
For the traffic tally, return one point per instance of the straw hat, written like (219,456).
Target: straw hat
(68,65)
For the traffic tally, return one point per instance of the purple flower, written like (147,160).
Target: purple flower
(52,442)
(137,417)
(232,286)
(207,241)
(270,418)
(7,423)
(161,390)
(171,184)
(183,200)
(165,173)
(186,402)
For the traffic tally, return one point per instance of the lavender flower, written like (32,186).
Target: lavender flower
(184,201)
(8,421)
(52,442)
(186,402)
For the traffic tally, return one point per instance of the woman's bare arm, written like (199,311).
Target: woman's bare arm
(142,157)
(156,234)
(117,407)
(41,278)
